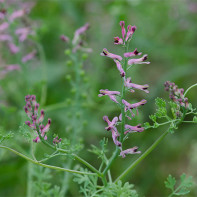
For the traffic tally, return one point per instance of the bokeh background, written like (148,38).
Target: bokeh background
(166,31)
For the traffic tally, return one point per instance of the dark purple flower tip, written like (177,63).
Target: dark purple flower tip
(28,123)
(136,52)
(64,38)
(42,112)
(49,121)
(133,28)
(33,97)
(145,57)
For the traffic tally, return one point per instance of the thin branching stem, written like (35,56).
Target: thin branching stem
(45,165)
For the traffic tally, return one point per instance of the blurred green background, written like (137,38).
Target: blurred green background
(166,31)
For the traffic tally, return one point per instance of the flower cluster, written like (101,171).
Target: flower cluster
(36,121)
(128,86)
(13,33)
(78,42)
(176,94)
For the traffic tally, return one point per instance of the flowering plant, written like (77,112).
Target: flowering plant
(95,180)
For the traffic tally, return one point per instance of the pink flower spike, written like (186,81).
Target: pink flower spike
(136,86)
(133,129)
(130,151)
(118,40)
(111,124)
(13,48)
(122,24)
(131,54)
(4,26)
(29,56)
(110,55)
(119,67)
(138,61)
(131,30)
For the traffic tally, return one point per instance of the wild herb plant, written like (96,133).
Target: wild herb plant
(93,181)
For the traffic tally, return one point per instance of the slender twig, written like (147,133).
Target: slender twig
(189,89)
(45,165)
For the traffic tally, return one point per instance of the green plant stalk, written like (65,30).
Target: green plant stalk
(45,165)
(115,154)
(74,155)
(55,106)
(189,89)
(29,176)
(44,74)
(143,156)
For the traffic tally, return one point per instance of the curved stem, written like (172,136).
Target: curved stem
(55,106)
(72,154)
(45,165)
(189,89)
(143,156)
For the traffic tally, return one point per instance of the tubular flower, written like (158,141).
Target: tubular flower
(110,55)
(135,105)
(111,124)
(176,94)
(139,60)
(17,14)
(4,26)
(13,48)
(29,56)
(118,40)
(131,54)
(111,94)
(79,32)
(122,24)
(128,84)
(133,129)
(131,30)
(35,123)
(119,67)
(130,151)
(111,127)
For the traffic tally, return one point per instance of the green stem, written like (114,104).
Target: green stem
(74,155)
(189,89)
(143,156)
(116,153)
(44,74)
(56,106)
(45,165)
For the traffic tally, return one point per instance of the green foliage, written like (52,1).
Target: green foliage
(6,136)
(100,151)
(25,132)
(41,185)
(119,190)
(183,188)
(89,183)
(90,187)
